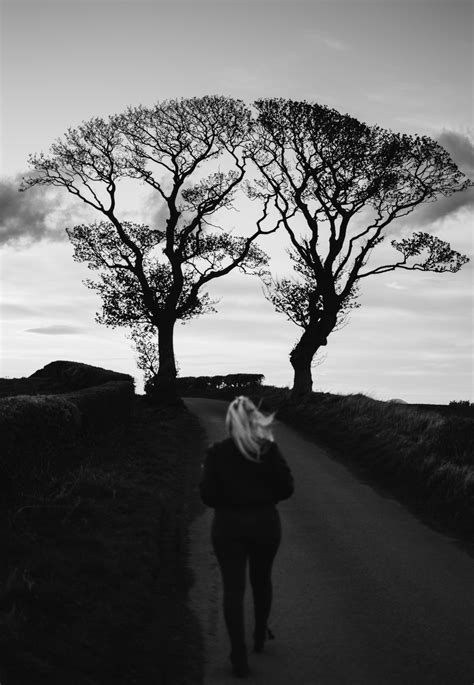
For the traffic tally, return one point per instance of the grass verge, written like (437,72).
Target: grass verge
(93,574)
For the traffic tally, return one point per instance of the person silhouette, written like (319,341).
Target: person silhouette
(243,478)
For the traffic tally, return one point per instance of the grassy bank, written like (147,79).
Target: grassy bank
(424,457)
(93,578)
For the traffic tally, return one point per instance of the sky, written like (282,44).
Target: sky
(403,65)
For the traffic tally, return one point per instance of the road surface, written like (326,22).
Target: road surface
(364,593)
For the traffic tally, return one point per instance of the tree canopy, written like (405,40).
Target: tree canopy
(336,184)
(333,183)
(191,152)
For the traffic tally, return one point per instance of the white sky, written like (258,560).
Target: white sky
(403,65)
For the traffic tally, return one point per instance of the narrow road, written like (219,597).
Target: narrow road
(364,593)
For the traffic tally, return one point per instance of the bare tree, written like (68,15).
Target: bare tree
(157,276)
(336,184)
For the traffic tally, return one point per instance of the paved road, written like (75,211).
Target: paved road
(364,594)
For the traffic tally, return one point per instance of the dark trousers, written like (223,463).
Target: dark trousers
(238,536)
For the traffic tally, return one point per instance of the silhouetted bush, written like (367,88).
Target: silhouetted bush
(227,386)
(461,408)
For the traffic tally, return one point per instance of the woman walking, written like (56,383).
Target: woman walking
(243,478)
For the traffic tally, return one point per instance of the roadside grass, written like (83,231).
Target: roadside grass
(423,457)
(93,572)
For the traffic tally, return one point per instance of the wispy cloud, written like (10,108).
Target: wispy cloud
(400,92)
(11,310)
(56,330)
(335,44)
(395,285)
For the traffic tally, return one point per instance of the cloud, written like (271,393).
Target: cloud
(12,310)
(421,124)
(56,330)
(435,299)
(461,149)
(446,207)
(395,285)
(24,216)
(38,214)
(334,44)
(158,213)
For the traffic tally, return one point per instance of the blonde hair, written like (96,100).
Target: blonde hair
(248,427)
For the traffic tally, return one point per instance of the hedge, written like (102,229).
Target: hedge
(103,407)
(35,430)
(43,433)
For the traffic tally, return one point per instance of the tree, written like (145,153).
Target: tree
(156,276)
(204,256)
(336,184)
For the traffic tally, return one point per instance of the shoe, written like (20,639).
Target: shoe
(260,640)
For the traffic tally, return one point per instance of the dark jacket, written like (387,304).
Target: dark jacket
(230,480)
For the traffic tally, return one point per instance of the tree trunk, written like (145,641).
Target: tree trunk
(301,357)
(164,386)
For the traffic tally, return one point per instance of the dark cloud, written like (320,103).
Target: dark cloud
(55,330)
(461,149)
(446,206)
(24,216)
(37,214)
